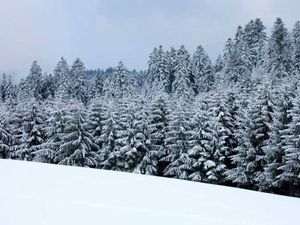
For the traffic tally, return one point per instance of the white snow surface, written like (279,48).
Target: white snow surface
(40,194)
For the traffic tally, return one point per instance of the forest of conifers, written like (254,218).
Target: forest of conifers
(234,122)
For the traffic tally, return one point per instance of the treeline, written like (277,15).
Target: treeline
(235,122)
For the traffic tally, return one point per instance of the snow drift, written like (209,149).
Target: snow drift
(35,194)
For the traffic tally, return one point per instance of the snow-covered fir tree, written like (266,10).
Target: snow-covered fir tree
(235,69)
(56,122)
(131,136)
(78,82)
(274,151)
(120,84)
(3,88)
(98,84)
(203,71)
(291,160)
(219,64)
(149,156)
(61,76)
(184,82)
(158,122)
(172,61)
(296,46)
(255,40)
(112,156)
(109,152)
(158,75)
(27,127)
(97,115)
(5,141)
(202,153)
(279,61)
(178,142)
(250,157)
(78,145)
(32,85)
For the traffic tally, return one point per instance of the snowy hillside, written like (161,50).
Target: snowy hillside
(35,194)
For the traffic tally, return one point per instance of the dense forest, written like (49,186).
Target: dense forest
(234,122)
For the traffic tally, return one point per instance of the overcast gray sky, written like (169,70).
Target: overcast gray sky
(102,32)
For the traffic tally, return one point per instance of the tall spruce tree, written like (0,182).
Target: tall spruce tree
(61,76)
(255,40)
(110,156)
(117,130)
(178,142)
(279,61)
(158,119)
(296,46)
(202,70)
(158,73)
(291,161)
(98,85)
(149,156)
(97,115)
(235,69)
(275,145)
(184,83)
(78,82)
(120,84)
(78,145)
(250,156)
(202,153)
(32,87)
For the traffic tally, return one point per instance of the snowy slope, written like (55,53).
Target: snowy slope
(35,194)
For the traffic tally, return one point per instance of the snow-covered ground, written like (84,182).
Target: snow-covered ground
(36,194)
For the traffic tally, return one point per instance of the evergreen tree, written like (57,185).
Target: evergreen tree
(235,69)
(78,146)
(279,52)
(149,157)
(48,87)
(255,40)
(35,128)
(219,65)
(97,117)
(109,153)
(291,164)
(158,74)
(172,61)
(6,138)
(98,85)
(158,122)
(56,123)
(16,127)
(203,162)
(250,157)
(296,46)
(178,142)
(120,84)
(221,114)
(202,70)
(129,137)
(61,76)
(112,156)
(78,83)
(275,145)
(183,85)
(11,94)
(27,128)
(32,87)
(226,60)
(3,88)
